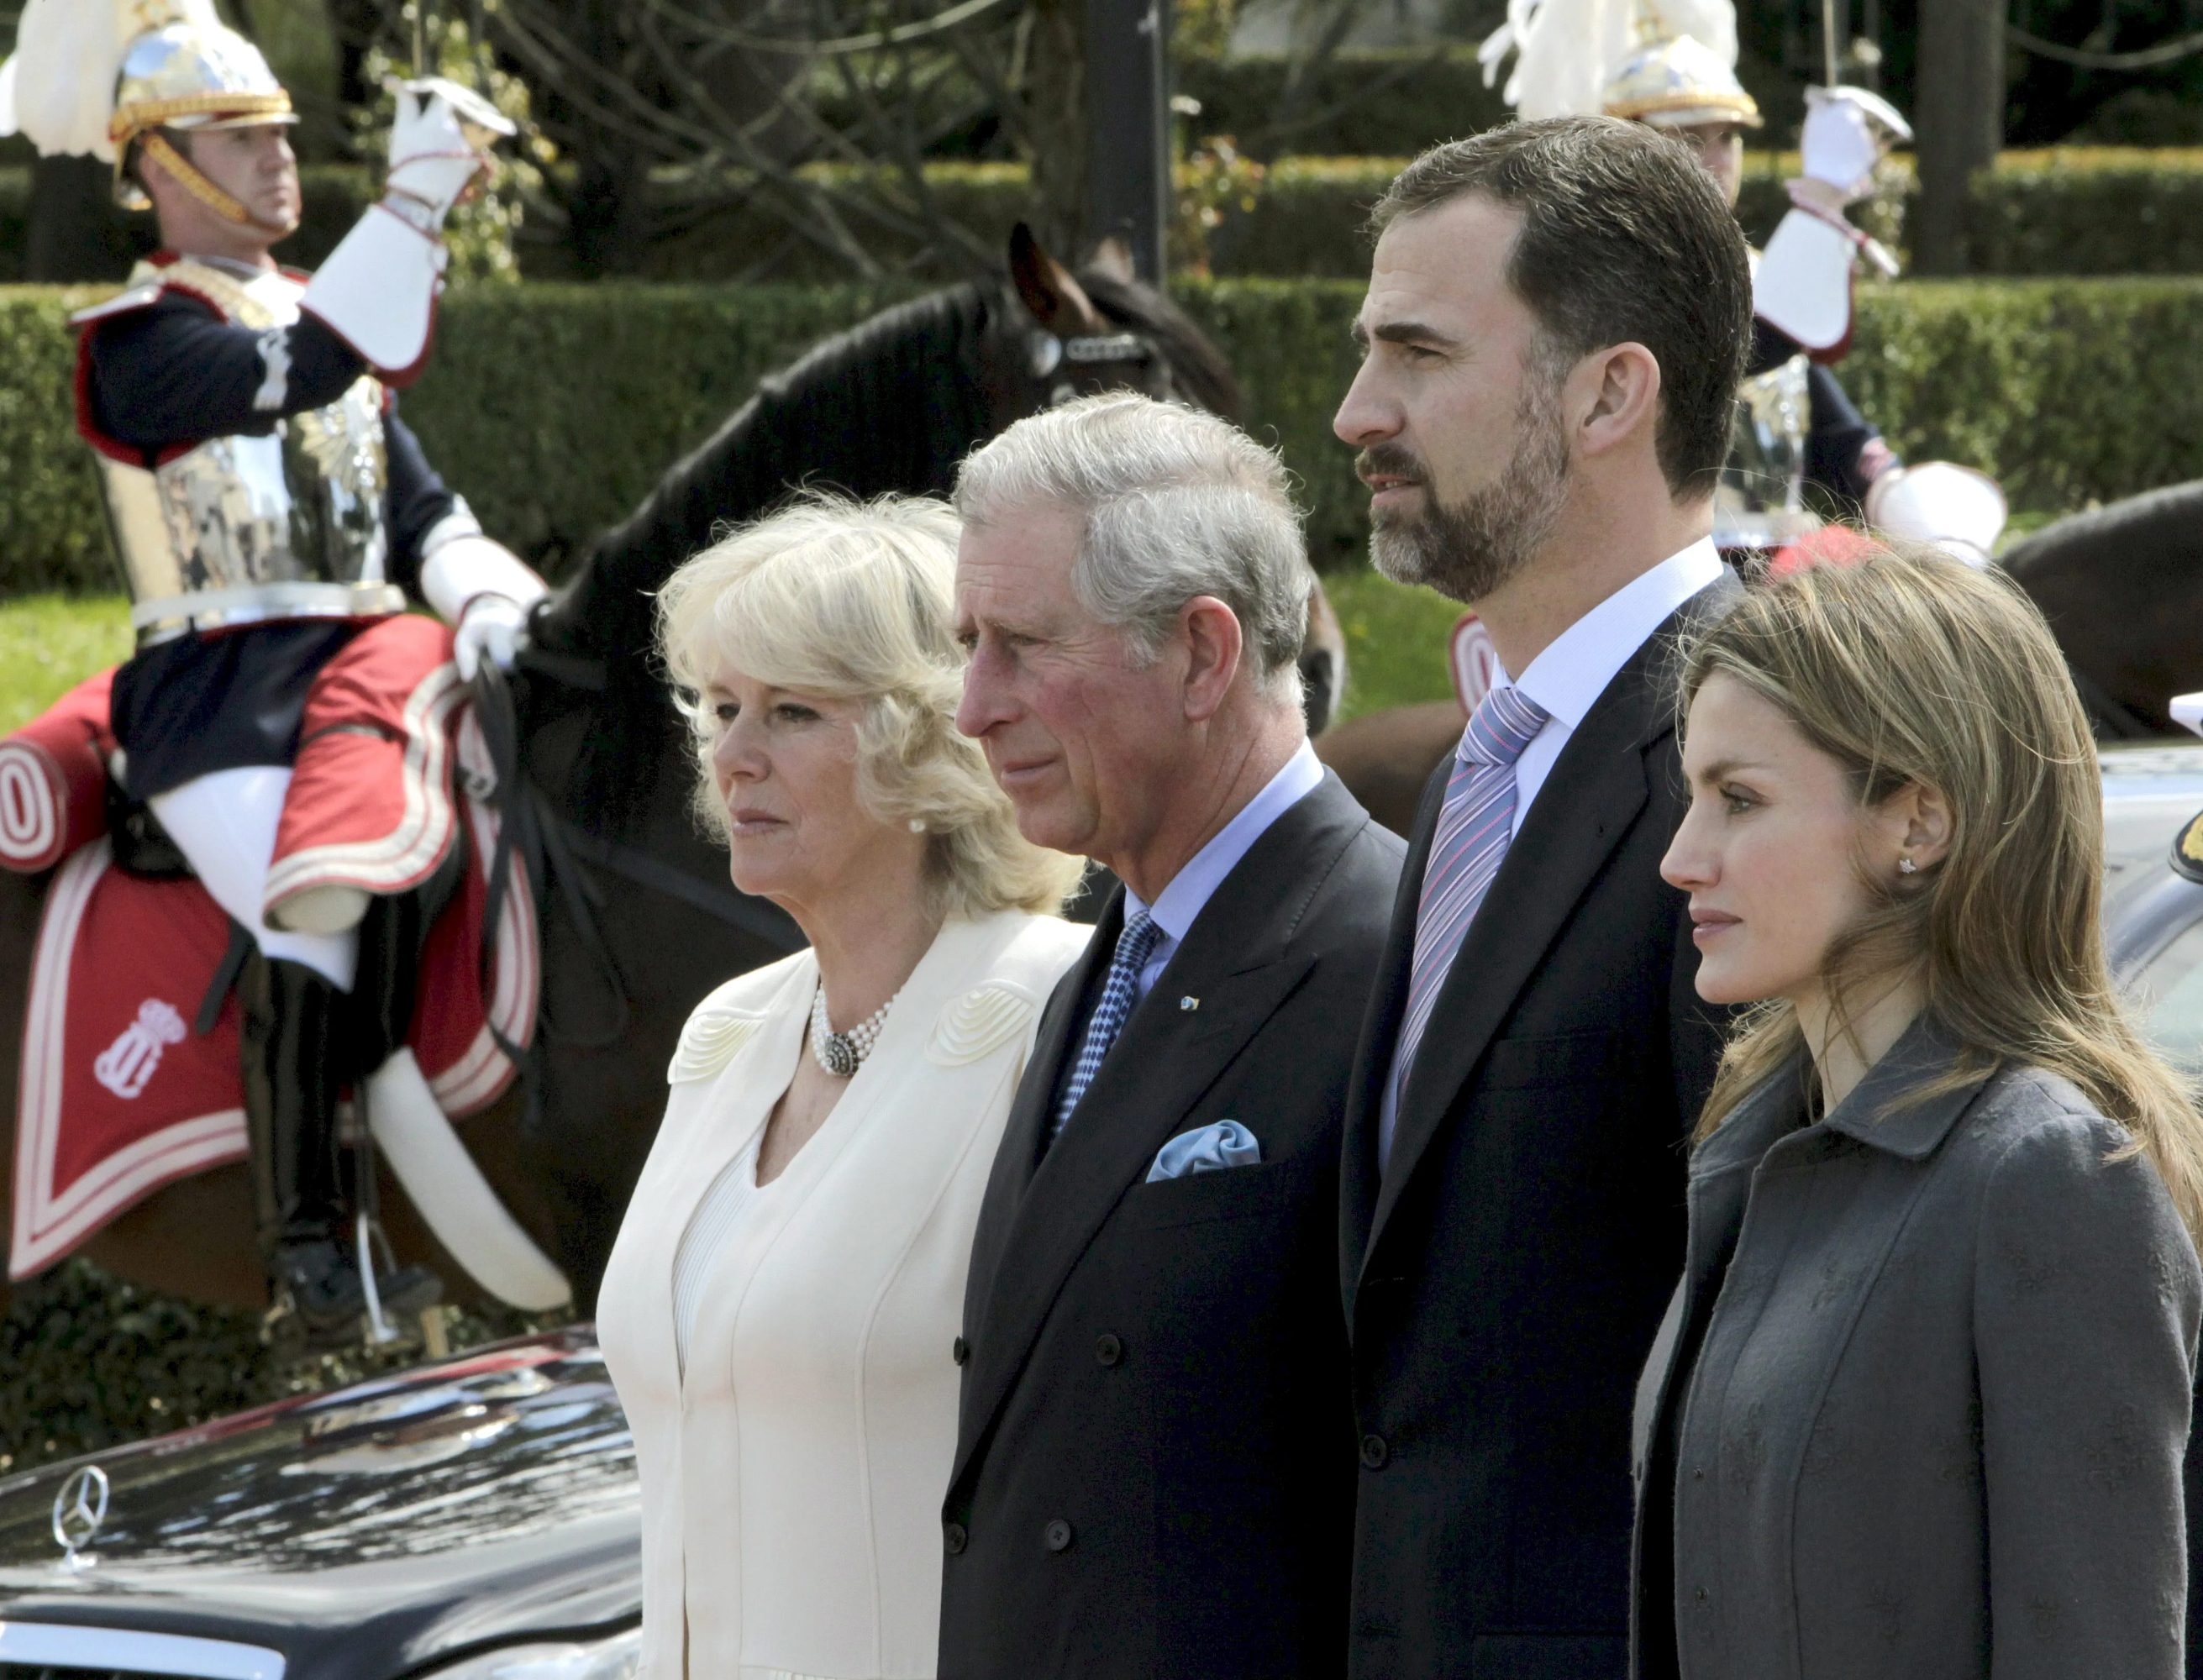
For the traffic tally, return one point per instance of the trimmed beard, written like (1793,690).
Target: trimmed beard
(1471,548)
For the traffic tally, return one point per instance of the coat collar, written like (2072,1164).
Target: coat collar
(1241,961)
(1885,1112)
(718,1118)
(1770,1111)
(1911,1099)
(1905,1106)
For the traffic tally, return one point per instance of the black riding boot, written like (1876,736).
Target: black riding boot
(294,1068)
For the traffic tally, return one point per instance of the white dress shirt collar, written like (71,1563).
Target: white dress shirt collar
(1178,906)
(1578,664)
(1566,680)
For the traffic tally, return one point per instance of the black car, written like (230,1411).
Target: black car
(474,1520)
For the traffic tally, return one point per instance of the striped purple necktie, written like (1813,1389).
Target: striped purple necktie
(1474,826)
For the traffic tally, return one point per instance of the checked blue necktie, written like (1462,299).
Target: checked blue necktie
(1119,993)
(1474,826)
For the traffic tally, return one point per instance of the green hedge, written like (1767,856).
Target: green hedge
(554,408)
(2068,391)
(1363,104)
(51,532)
(2096,212)
(335,197)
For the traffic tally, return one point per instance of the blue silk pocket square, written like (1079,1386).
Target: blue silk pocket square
(1209,1149)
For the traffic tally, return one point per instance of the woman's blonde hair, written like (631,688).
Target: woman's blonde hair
(855,600)
(1914,668)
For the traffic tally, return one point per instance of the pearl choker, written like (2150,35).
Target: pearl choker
(841,1055)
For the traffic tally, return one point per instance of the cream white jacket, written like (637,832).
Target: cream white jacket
(792,1483)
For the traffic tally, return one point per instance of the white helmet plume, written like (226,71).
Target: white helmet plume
(1567,51)
(58,90)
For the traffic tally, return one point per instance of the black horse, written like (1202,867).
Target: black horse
(640,921)
(2123,588)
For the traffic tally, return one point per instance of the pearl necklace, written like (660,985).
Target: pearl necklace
(841,1055)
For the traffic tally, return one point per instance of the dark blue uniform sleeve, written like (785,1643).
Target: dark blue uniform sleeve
(1842,453)
(174,373)
(418,499)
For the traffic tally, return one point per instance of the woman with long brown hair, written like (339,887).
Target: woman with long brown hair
(1921,1402)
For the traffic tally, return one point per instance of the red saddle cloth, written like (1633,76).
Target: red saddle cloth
(119,1094)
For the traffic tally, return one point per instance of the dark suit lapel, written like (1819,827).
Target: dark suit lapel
(1054,1044)
(1358,1176)
(1594,793)
(1022,1133)
(1238,961)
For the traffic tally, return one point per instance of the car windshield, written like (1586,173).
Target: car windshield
(2149,793)
(2169,993)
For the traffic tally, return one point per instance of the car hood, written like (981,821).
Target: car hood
(362,1532)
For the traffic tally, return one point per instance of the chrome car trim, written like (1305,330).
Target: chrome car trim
(2150,923)
(58,1645)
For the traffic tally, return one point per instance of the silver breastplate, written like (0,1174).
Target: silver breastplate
(241,529)
(1760,500)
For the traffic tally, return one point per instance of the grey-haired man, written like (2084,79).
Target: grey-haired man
(1153,1464)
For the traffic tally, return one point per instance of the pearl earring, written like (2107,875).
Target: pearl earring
(1906,866)
(918,825)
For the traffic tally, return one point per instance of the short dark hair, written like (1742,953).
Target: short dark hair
(1625,237)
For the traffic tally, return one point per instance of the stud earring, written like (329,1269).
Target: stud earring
(918,825)
(1906,866)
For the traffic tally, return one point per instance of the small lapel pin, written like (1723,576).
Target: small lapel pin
(1189,1003)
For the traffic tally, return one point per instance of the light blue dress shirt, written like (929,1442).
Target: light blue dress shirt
(1179,904)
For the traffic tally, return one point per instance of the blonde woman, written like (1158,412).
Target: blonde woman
(781,1308)
(1920,1405)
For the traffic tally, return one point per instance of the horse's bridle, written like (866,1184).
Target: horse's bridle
(1045,352)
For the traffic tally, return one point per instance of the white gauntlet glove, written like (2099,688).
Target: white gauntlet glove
(492,625)
(1957,510)
(1847,129)
(433,155)
(482,589)
(1803,283)
(378,290)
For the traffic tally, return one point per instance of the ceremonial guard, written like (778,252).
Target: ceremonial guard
(1795,424)
(271,511)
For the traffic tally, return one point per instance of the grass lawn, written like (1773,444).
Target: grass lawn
(1396,640)
(1395,643)
(50,643)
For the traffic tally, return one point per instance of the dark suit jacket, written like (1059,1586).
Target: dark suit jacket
(1504,1280)
(1153,1469)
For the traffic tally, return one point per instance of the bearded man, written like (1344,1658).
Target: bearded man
(1557,316)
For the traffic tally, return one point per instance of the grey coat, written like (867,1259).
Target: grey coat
(1928,1419)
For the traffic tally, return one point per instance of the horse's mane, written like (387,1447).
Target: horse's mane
(815,422)
(822,421)
(893,404)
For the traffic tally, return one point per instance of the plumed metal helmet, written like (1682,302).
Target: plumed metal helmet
(190,76)
(1679,84)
